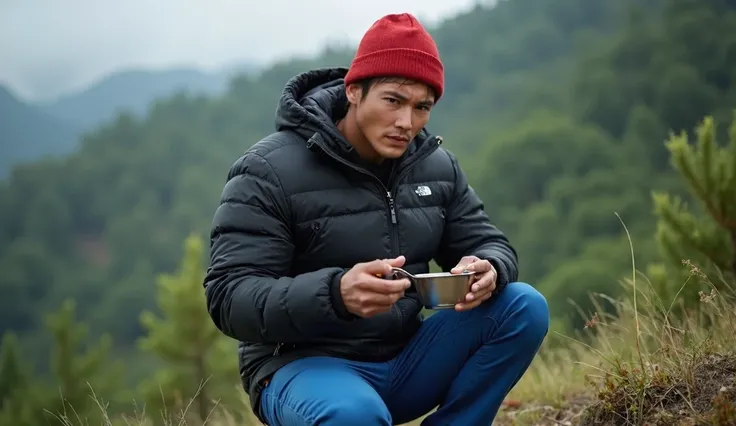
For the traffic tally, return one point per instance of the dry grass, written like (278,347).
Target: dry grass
(651,362)
(647,363)
(643,366)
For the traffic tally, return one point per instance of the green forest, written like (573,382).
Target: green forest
(576,121)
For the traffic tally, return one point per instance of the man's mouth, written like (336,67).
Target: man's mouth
(400,139)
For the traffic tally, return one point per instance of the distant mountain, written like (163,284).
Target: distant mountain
(132,91)
(28,133)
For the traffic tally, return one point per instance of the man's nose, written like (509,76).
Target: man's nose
(403,120)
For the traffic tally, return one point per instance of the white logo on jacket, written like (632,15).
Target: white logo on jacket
(423,191)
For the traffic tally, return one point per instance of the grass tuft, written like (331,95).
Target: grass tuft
(638,361)
(646,363)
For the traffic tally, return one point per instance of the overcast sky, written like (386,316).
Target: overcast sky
(49,47)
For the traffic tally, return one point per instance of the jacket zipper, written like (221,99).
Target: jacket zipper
(278,348)
(391,203)
(389,193)
(389,198)
(404,171)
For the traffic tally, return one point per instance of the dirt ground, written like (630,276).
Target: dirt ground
(514,413)
(709,400)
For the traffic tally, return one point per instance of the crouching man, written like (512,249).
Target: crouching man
(313,218)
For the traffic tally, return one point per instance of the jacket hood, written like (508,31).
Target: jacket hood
(313,101)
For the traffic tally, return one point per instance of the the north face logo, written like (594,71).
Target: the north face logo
(423,191)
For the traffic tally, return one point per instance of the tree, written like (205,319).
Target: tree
(704,235)
(13,373)
(199,361)
(82,379)
(16,405)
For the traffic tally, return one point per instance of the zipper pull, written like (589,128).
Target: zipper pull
(278,348)
(392,207)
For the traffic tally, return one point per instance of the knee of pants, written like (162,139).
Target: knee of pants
(356,410)
(531,306)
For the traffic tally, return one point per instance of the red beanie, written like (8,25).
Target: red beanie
(398,46)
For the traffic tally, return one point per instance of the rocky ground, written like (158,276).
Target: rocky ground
(706,397)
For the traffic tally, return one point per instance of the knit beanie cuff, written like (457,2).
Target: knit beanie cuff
(399,62)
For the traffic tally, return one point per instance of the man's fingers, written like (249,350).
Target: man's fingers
(397,261)
(472,300)
(479,266)
(383,286)
(481,289)
(378,300)
(459,268)
(483,282)
(466,306)
(379,294)
(479,295)
(463,264)
(382,267)
(373,310)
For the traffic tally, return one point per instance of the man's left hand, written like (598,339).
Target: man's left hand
(482,283)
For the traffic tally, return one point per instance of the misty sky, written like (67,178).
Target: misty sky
(51,47)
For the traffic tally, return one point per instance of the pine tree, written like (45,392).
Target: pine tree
(703,236)
(13,372)
(200,361)
(18,405)
(82,380)
(78,378)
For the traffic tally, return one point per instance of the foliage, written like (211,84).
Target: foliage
(200,360)
(509,91)
(706,235)
(557,110)
(78,370)
(12,372)
(673,364)
(14,382)
(658,358)
(662,368)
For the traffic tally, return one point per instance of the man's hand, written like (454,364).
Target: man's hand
(482,283)
(366,294)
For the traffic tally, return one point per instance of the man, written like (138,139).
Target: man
(312,219)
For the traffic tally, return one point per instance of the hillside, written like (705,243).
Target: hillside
(557,110)
(27,133)
(132,91)
(32,131)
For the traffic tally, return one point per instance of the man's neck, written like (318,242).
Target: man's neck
(348,126)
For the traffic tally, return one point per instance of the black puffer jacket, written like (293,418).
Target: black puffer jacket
(296,212)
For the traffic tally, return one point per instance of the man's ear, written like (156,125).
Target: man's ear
(354,93)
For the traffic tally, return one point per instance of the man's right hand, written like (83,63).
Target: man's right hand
(364,291)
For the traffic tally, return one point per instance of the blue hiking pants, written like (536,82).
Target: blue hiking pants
(463,362)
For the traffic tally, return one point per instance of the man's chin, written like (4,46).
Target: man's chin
(393,155)
(392,152)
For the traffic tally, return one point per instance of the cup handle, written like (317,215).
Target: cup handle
(398,273)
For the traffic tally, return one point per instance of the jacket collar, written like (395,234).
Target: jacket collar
(312,102)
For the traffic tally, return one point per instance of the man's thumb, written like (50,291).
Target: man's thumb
(460,268)
(397,261)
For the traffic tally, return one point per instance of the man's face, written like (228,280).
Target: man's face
(391,114)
